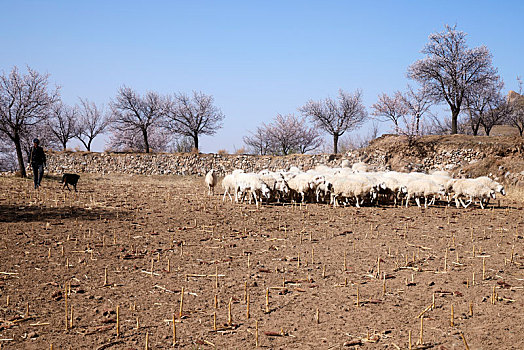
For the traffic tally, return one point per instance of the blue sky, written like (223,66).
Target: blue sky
(257,58)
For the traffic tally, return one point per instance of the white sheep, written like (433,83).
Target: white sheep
(323,190)
(494,185)
(252,184)
(359,167)
(305,184)
(352,187)
(301,184)
(230,187)
(211,181)
(423,188)
(394,189)
(471,189)
(276,183)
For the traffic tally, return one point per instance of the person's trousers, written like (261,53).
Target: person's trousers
(38,173)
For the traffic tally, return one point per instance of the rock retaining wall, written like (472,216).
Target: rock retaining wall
(177,164)
(199,164)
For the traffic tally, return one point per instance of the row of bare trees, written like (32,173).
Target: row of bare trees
(30,107)
(286,134)
(291,134)
(451,73)
(151,121)
(458,76)
(83,122)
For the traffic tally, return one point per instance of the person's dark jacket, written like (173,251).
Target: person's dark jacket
(37,156)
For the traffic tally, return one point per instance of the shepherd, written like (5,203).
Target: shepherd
(38,162)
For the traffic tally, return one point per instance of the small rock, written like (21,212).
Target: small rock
(32,334)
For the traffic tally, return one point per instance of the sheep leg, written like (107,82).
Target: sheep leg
(358,205)
(465,205)
(417,200)
(426,202)
(229,194)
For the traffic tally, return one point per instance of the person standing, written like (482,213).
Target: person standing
(38,162)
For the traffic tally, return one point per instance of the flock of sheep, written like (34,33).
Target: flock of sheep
(354,185)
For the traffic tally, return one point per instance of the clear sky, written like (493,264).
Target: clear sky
(257,58)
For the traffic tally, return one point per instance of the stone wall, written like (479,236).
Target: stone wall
(199,164)
(178,164)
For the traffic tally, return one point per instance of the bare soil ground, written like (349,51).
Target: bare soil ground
(157,236)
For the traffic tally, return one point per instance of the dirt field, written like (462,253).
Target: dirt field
(157,236)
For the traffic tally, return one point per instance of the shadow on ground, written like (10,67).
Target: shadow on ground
(10,213)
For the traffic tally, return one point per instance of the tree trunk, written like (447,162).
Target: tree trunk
(487,130)
(64,145)
(20,156)
(335,143)
(476,129)
(454,120)
(195,141)
(88,146)
(418,125)
(146,140)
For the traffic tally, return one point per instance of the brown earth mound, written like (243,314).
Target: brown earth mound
(502,157)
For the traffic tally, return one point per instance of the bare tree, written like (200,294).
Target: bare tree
(337,116)
(516,100)
(181,144)
(132,114)
(442,126)
(63,123)
(390,109)
(417,104)
(193,116)
(25,100)
(258,142)
(481,99)
(159,140)
(359,140)
(286,134)
(7,154)
(496,113)
(451,69)
(290,134)
(93,122)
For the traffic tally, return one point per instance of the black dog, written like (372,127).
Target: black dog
(70,179)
